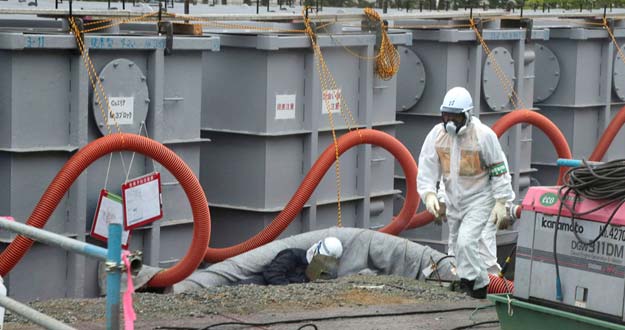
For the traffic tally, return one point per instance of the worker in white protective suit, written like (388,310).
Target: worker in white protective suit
(465,155)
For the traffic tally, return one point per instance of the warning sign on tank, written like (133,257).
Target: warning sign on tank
(331,101)
(285,106)
(142,200)
(121,110)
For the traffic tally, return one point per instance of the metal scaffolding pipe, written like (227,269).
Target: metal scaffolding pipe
(38,318)
(54,239)
(112,256)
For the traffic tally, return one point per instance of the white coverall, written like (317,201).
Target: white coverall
(474,172)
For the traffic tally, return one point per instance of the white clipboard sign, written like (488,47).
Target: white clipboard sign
(142,200)
(109,210)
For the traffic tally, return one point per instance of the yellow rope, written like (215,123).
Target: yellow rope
(618,48)
(321,69)
(333,85)
(119,22)
(387,59)
(505,81)
(564,20)
(434,26)
(208,22)
(94,81)
(344,105)
(100,21)
(387,63)
(351,52)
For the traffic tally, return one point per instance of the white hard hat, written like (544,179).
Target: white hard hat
(457,100)
(329,246)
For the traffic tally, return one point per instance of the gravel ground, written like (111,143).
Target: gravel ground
(350,294)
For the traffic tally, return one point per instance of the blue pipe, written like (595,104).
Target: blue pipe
(575,162)
(569,162)
(113,277)
(558,289)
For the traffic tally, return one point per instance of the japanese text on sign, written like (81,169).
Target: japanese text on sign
(142,201)
(331,99)
(285,106)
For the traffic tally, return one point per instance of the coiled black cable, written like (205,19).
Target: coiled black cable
(604,182)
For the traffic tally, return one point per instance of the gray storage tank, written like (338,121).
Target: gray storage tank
(580,80)
(49,112)
(261,150)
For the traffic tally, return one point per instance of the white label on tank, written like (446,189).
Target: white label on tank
(331,99)
(122,110)
(285,106)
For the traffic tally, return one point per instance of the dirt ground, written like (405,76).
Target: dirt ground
(353,302)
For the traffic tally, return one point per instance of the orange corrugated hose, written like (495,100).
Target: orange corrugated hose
(499,285)
(314,176)
(501,126)
(608,136)
(544,124)
(90,153)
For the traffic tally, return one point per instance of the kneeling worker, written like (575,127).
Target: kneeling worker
(300,266)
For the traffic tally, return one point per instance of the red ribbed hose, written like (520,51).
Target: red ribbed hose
(314,176)
(544,124)
(85,157)
(499,285)
(608,136)
(420,219)
(501,126)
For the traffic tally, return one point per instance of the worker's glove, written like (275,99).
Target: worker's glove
(431,203)
(499,214)
(442,211)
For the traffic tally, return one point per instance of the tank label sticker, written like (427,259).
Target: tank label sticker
(122,110)
(331,101)
(34,42)
(285,106)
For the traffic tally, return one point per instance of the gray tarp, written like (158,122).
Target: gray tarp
(364,250)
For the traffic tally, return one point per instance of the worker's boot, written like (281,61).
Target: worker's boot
(466,286)
(479,293)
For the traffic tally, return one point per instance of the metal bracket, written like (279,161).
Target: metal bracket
(167,29)
(135,259)
(113,267)
(378,34)
(528,24)
(377,26)
(522,23)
